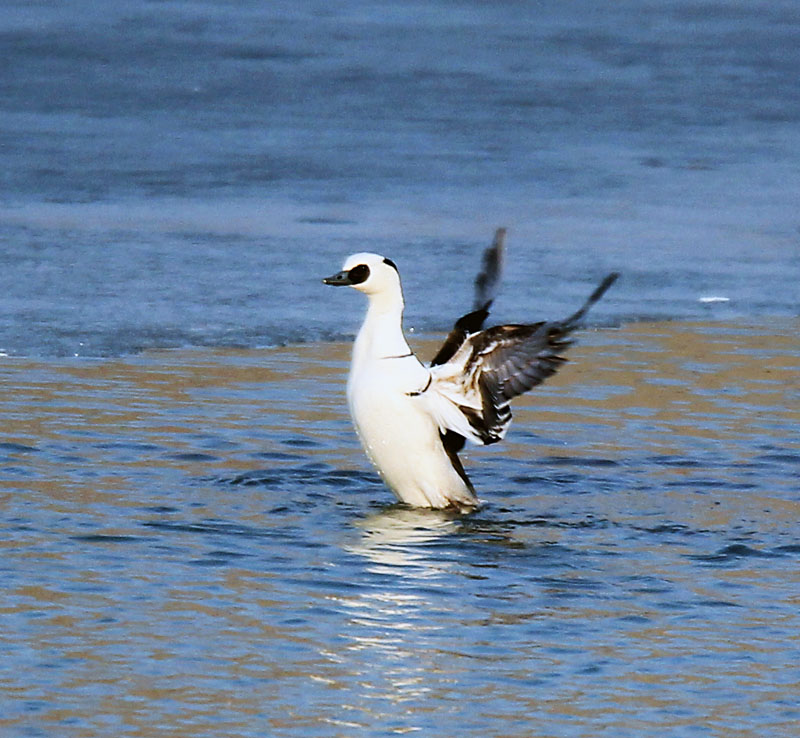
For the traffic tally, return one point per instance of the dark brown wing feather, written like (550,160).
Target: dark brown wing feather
(515,358)
(507,360)
(465,326)
(453,443)
(486,285)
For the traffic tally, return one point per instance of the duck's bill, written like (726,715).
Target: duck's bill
(338,280)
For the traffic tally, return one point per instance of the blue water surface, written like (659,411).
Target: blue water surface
(179,173)
(193,544)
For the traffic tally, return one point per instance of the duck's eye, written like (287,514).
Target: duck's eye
(358,274)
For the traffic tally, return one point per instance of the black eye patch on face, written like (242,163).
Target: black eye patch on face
(358,274)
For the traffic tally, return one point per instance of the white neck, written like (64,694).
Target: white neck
(381,335)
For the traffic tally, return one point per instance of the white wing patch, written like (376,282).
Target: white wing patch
(470,392)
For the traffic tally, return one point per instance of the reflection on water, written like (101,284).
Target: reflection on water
(396,539)
(387,623)
(194,545)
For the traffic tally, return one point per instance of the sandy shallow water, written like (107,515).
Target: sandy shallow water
(194,545)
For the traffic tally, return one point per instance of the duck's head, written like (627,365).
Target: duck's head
(368,273)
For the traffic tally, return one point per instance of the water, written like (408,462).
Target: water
(193,544)
(189,549)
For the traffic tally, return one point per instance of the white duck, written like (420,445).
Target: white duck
(413,419)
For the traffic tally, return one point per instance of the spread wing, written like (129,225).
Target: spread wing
(487,284)
(493,366)
(511,359)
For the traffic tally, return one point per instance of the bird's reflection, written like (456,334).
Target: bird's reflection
(415,565)
(401,540)
(389,621)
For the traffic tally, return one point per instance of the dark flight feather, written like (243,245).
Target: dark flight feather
(507,360)
(487,284)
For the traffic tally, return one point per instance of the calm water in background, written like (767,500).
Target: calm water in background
(192,542)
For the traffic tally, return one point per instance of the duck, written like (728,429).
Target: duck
(412,418)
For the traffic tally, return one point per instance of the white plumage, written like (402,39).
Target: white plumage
(413,419)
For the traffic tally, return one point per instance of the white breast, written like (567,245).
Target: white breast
(400,435)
